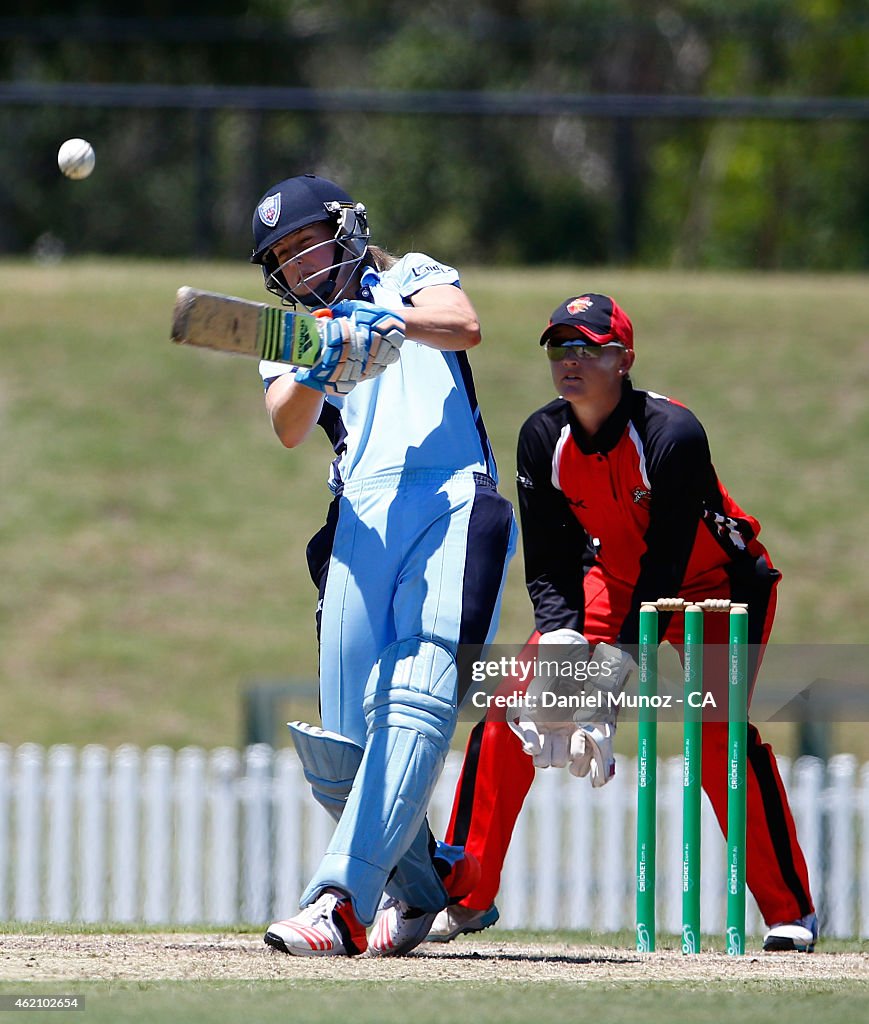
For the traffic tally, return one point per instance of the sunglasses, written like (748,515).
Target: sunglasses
(577,350)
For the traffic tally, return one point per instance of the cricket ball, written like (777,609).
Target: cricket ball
(76,158)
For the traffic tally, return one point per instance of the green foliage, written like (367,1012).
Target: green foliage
(497,189)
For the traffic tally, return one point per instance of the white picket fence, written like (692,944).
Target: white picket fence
(222,837)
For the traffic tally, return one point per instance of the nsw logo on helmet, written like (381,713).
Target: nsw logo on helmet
(269,210)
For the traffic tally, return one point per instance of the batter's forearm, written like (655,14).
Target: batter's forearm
(293,409)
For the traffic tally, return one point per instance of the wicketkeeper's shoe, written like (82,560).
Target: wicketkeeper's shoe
(792,936)
(459,920)
(326,927)
(401,928)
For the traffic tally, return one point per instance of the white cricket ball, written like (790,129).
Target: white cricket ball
(76,158)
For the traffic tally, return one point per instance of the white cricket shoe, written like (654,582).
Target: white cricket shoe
(326,927)
(792,936)
(459,920)
(401,928)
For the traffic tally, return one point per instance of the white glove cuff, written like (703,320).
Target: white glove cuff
(562,636)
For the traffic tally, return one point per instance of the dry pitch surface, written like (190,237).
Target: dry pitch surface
(218,957)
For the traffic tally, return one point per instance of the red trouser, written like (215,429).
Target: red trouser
(496,776)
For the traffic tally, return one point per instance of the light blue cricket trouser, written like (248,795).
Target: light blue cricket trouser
(417,567)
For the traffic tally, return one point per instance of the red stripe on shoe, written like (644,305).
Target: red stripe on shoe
(316,940)
(383,938)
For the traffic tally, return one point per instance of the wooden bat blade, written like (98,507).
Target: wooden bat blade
(229,324)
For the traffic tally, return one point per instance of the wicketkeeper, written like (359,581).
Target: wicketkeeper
(619,504)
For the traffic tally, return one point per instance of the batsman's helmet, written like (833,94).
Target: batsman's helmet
(295,203)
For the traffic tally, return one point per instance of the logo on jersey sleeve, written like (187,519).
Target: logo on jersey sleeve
(428,268)
(727,528)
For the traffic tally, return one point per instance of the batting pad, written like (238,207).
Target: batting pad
(330,762)
(410,713)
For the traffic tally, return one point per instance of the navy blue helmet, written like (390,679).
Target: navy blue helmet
(295,203)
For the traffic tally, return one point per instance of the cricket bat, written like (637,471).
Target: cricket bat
(230,324)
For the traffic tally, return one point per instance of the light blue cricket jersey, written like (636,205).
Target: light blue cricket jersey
(421,412)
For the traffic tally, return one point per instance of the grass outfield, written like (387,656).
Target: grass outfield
(435,1002)
(153,528)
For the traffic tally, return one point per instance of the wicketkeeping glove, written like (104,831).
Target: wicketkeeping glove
(592,744)
(584,740)
(544,739)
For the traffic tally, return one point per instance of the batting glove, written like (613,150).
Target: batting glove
(385,329)
(353,348)
(340,360)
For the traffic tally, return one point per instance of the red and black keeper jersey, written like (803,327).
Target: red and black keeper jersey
(642,492)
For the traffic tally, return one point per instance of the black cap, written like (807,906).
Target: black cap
(598,319)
